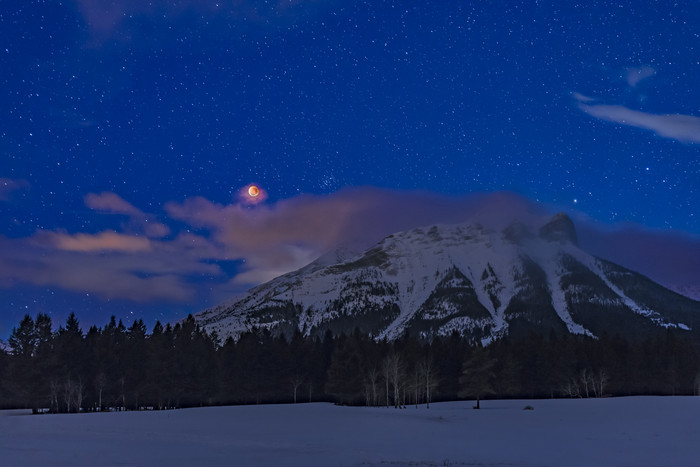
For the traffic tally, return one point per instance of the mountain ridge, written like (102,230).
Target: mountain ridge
(482,283)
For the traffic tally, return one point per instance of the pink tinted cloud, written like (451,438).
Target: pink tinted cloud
(112,203)
(9,186)
(140,221)
(103,241)
(104,17)
(59,260)
(281,237)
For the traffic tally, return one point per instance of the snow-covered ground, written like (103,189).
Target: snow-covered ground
(654,431)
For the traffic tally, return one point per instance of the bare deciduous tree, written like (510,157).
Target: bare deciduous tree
(570,388)
(586,381)
(416,385)
(73,393)
(296,382)
(54,389)
(78,394)
(428,377)
(100,383)
(386,373)
(393,370)
(68,394)
(371,387)
(600,381)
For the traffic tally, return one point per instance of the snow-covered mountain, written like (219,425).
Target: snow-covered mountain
(479,282)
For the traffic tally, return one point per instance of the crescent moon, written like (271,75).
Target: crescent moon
(253,191)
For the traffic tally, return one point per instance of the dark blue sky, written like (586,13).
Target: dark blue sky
(116,114)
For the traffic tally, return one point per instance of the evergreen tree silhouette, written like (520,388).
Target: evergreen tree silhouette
(477,375)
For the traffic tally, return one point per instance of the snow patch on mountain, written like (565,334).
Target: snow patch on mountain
(554,271)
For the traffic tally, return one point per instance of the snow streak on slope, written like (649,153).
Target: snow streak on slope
(594,265)
(554,270)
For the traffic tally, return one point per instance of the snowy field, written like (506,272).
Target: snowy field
(634,431)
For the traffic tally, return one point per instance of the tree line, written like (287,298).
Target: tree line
(125,368)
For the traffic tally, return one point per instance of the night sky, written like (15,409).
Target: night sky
(131,131)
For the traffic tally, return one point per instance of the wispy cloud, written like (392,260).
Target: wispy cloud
(103,241)
(637,74)
(129,275)
(112,203)
(9,186)
(683,128)
(104,17)
(139,221)
(583,98)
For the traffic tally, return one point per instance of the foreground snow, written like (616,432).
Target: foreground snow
(624,431)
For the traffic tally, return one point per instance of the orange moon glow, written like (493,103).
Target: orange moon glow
(253,191)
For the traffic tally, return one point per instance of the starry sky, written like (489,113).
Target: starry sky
(131,130)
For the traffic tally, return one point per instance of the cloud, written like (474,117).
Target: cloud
(105,17)
(266,240)
(111,202)
(79,263)
(635,75)
(288,234)
(140,221)
(683,128)
(581,98)
(9,186)
(667,257)
(103,241)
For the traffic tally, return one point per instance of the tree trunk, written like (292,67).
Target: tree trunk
(387,392)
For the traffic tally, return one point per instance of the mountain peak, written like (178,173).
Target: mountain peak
(559,229)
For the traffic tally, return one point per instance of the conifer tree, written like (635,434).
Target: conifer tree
(477,375)
(23,342)
(135,360)
(72,360)
(344,374)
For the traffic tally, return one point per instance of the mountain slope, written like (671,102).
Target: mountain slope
(478,282)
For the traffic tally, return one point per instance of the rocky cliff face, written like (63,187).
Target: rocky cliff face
(481,283)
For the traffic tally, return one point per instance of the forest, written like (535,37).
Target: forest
(115,367)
